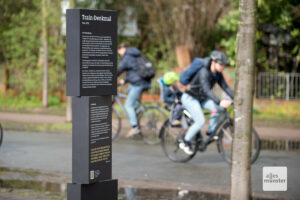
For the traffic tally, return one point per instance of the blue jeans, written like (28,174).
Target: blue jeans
(133,93)
(194,107)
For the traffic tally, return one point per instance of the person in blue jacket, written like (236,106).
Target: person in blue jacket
(129,64)
(171,95)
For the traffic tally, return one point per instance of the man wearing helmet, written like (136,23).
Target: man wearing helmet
(200,96)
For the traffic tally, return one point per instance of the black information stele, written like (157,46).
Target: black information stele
(91,139)
(91,80)
(91,52)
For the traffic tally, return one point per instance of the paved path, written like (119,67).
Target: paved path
(278,133)
(30,118)
(264,132)
(138,165)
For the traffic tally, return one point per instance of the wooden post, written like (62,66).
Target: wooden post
(183,54)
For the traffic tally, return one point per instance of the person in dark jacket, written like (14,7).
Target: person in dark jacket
(129,64)
(200,95)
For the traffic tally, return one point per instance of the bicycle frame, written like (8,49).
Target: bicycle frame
(221,121)
(118,101)
(123,109)
(203,144)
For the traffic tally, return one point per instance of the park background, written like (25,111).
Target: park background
(168,32)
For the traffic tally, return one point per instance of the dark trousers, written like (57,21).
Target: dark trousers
(177,112)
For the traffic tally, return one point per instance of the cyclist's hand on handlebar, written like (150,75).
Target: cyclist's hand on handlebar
(122,82)
(225,103)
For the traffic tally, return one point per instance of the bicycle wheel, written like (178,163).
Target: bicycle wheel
(116,123)
(150,122)
(170,139)
(226,139)
(1,134)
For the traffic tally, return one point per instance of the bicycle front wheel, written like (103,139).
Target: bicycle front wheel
(150,122)
(226,140)
(170,139)
(116,123)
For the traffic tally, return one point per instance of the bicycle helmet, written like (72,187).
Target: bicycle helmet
(219,57)
(170,77)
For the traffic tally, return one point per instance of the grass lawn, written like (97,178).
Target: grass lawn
(277,113)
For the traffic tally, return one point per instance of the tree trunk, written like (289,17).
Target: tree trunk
(6,75)
(296,62)
(69,99)
(45,53)
(244,90)
(5,79)
(69,109)
(72,4)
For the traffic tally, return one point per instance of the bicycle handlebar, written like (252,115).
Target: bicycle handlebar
(121,95)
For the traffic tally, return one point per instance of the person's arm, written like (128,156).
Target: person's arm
(168,95)
(224,86)
(122,66)
(177,93)
(205,86)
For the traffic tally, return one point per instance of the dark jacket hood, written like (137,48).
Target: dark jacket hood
(133,51)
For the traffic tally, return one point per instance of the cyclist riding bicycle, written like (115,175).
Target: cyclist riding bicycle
(129,64)
(200,96)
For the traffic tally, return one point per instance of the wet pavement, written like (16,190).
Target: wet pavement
(138,165)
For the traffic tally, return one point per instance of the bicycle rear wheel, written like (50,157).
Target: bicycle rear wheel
(170,139)
(116,123)
(150,122)
(226,139)
(1,134)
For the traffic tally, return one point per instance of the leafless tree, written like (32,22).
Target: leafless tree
(44,40)
(185,24)
(69,99)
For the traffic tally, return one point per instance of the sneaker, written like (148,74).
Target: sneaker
(176,123)
(186,148)
(132,132)
(215,137)
(212,136)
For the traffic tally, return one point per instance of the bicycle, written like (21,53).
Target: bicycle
(149,118)
(171,136)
